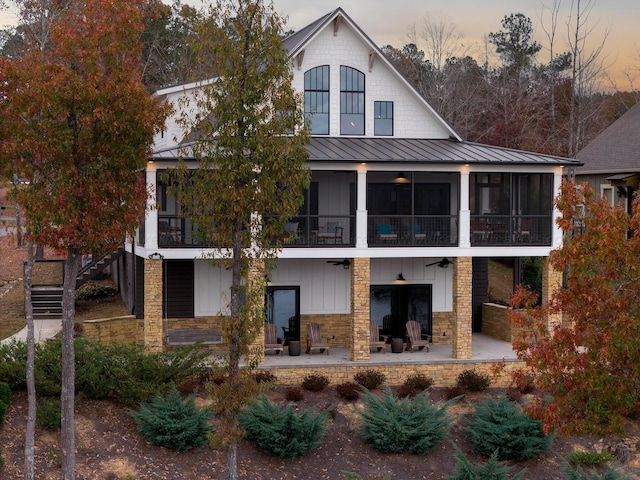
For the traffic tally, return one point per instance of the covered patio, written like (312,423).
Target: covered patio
(488,355)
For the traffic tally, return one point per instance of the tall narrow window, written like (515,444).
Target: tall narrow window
(383,118)
(316,99)
(351,101)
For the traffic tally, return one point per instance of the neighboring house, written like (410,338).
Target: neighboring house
(398,222)
(612,160)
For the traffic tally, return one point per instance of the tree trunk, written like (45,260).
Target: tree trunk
(232,462)
(67,435)
(29,442)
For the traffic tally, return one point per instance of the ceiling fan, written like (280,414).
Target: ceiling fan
(444,263)
(345,263)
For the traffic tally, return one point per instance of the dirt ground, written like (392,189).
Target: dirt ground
(110,448)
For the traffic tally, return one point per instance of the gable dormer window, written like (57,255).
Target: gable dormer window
(316,99)
(351,101)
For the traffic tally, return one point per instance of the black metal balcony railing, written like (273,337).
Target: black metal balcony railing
(510,230)
(384,230)
(417,230)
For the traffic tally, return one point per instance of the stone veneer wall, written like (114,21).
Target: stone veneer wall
(113,330)
(443,374)
(495,321)
(551,281)
(360,309)
(152,335)
(333,325)
(462,307)
(442,329)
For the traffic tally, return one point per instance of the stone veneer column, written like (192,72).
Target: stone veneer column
(462,307)
(255,277)
(551,281)
(360,315)
(152,325)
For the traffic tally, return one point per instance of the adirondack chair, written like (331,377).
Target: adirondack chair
(271,341)
(415,337)
(376,340)
(315,340)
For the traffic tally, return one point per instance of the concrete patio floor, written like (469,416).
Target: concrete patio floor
(484,349)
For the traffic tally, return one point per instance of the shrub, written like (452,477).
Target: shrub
(13,362)
(418,381)
(280,431)
(473,381)
(453,392)
(513,394)
(170,422)
(580,474)
(264,376)
(370,379)
(349,390)
(95,291)
(406,425)
(48,414)
(406,391)
(315,382)
(499,424)
(590,459)
(5,398)
(294,394)
(493,469)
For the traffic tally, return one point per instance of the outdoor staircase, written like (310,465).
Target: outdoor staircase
(47,302)
(92,269)
(47,299)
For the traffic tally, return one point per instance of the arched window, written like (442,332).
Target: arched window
(351,101)
(316,99)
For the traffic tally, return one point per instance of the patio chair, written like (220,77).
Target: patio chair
(315,340)
(291,332)
(385,232)
(271,341)
(376,340)
(415,337)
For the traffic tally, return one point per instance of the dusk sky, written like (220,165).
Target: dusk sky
(389,21)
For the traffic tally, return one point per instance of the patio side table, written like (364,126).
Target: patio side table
(396,345)
(294,348)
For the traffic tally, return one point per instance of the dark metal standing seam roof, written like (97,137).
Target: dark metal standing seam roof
(350,149)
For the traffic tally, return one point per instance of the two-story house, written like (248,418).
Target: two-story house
(398,222)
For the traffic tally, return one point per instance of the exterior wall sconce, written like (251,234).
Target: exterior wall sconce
(156,256)
(400,278)
(401,178)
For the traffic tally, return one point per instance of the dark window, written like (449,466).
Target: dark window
(392,306)
(178,288)
(383,118)
(316,99)
(351,101)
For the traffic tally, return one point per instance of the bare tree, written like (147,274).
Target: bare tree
(587,70)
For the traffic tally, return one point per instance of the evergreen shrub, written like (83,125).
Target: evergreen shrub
(95,291)
(579,474)
(370,378)
(590,459)
(13,364)
(493,469)
(5,398)
(500,425)
(48,413)
(170,422)
(349,390)
(403,426)
(473,381)
(315,382)
(280,431)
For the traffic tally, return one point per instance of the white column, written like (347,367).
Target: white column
(151,217)
(465,214)
(556,231)
(361,207)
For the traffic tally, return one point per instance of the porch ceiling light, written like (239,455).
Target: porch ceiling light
(401,178)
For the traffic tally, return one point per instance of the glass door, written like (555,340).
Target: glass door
(392,306)
(283,310)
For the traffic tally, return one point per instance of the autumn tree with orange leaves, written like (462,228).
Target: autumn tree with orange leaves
(77,123)
(590,365)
